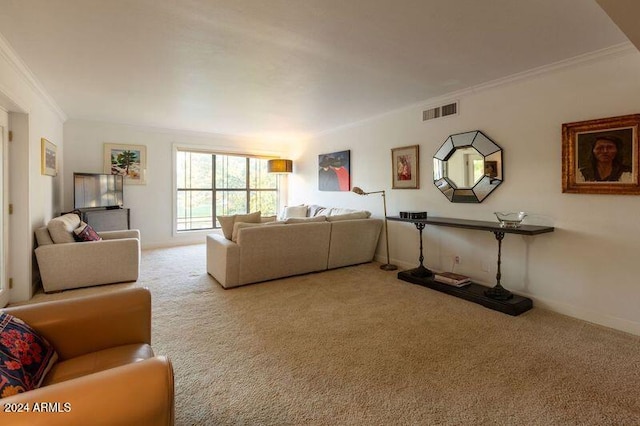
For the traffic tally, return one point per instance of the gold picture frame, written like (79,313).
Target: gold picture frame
(129,161)
(48,158)
(405,167)
(601,156)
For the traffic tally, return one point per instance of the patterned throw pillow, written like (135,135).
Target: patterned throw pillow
(25,357)
(85,232)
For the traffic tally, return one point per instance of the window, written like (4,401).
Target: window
(210,185)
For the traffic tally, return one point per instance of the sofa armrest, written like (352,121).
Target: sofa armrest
(73,265)
(141,393)
(223,260)
(116,235)
(87,324)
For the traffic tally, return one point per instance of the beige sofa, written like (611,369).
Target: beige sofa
(65,264)
(268,251)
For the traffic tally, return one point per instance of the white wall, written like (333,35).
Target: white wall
(587,267)
(151,204)
(36,198)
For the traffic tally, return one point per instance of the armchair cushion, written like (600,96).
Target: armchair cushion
(61,228)
(25,356)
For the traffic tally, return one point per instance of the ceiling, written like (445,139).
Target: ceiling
(284,69)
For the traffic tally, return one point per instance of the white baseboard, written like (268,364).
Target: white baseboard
(573,311)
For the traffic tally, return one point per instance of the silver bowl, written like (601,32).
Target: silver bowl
(510,219)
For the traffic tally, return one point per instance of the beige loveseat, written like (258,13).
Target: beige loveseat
(279,249)
(65,264)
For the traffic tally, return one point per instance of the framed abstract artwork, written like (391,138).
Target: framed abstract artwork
(48,158)
(405,167)
(601,156)
(334,171)
(129,161)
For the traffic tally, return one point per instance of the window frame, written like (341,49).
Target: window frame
(281,184)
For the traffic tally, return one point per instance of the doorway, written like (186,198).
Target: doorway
(4,207)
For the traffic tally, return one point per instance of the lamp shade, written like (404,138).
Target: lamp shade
(280,165)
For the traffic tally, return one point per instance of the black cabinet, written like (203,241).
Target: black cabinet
(106,219)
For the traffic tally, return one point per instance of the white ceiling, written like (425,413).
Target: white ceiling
(284,68)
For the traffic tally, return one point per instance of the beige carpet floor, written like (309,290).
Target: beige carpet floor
(356,346)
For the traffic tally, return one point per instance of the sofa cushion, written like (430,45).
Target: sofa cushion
(61,228)
(85,232)
(227,222)
(241,225)
(268,219)
(295,211)
(349,216)
(305,219)
(25,356)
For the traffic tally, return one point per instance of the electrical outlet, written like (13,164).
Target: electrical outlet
(457,260)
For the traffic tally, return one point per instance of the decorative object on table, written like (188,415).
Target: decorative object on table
(468,167)
(510,220)
(601,156)
(405,167)
(279,166)
(334,171)
(451,278)
(387,266)
(49,158)
(413,215)
(129,161)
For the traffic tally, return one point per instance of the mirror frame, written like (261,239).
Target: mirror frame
(485,185)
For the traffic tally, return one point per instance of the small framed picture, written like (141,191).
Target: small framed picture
(405,167)
(601,156)
(49,158)
(129,161)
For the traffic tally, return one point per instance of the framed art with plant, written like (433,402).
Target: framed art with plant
(405,167)
(48,158)
(129,161)
(601,156)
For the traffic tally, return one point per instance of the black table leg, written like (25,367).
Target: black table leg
(421,271)
(498,292)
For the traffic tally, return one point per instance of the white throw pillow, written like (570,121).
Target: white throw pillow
(294,211)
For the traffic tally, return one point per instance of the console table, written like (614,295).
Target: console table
(497,297)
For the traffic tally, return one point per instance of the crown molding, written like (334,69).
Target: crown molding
(618,50)
(10,55)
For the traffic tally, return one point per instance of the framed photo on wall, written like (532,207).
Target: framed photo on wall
(334,171)
(49,158)
(601,156)
(129,161)
(405,167)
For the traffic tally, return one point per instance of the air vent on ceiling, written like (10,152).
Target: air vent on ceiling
(440,111)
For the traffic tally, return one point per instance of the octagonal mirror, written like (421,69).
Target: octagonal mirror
(467,167)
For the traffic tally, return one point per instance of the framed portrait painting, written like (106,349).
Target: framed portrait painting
(334,171)
(405,167)
(129,161)
(601,156)
(48,158)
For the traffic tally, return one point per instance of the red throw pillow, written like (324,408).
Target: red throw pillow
(25,356)
(85,232)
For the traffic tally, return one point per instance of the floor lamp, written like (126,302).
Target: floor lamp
(388,266)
